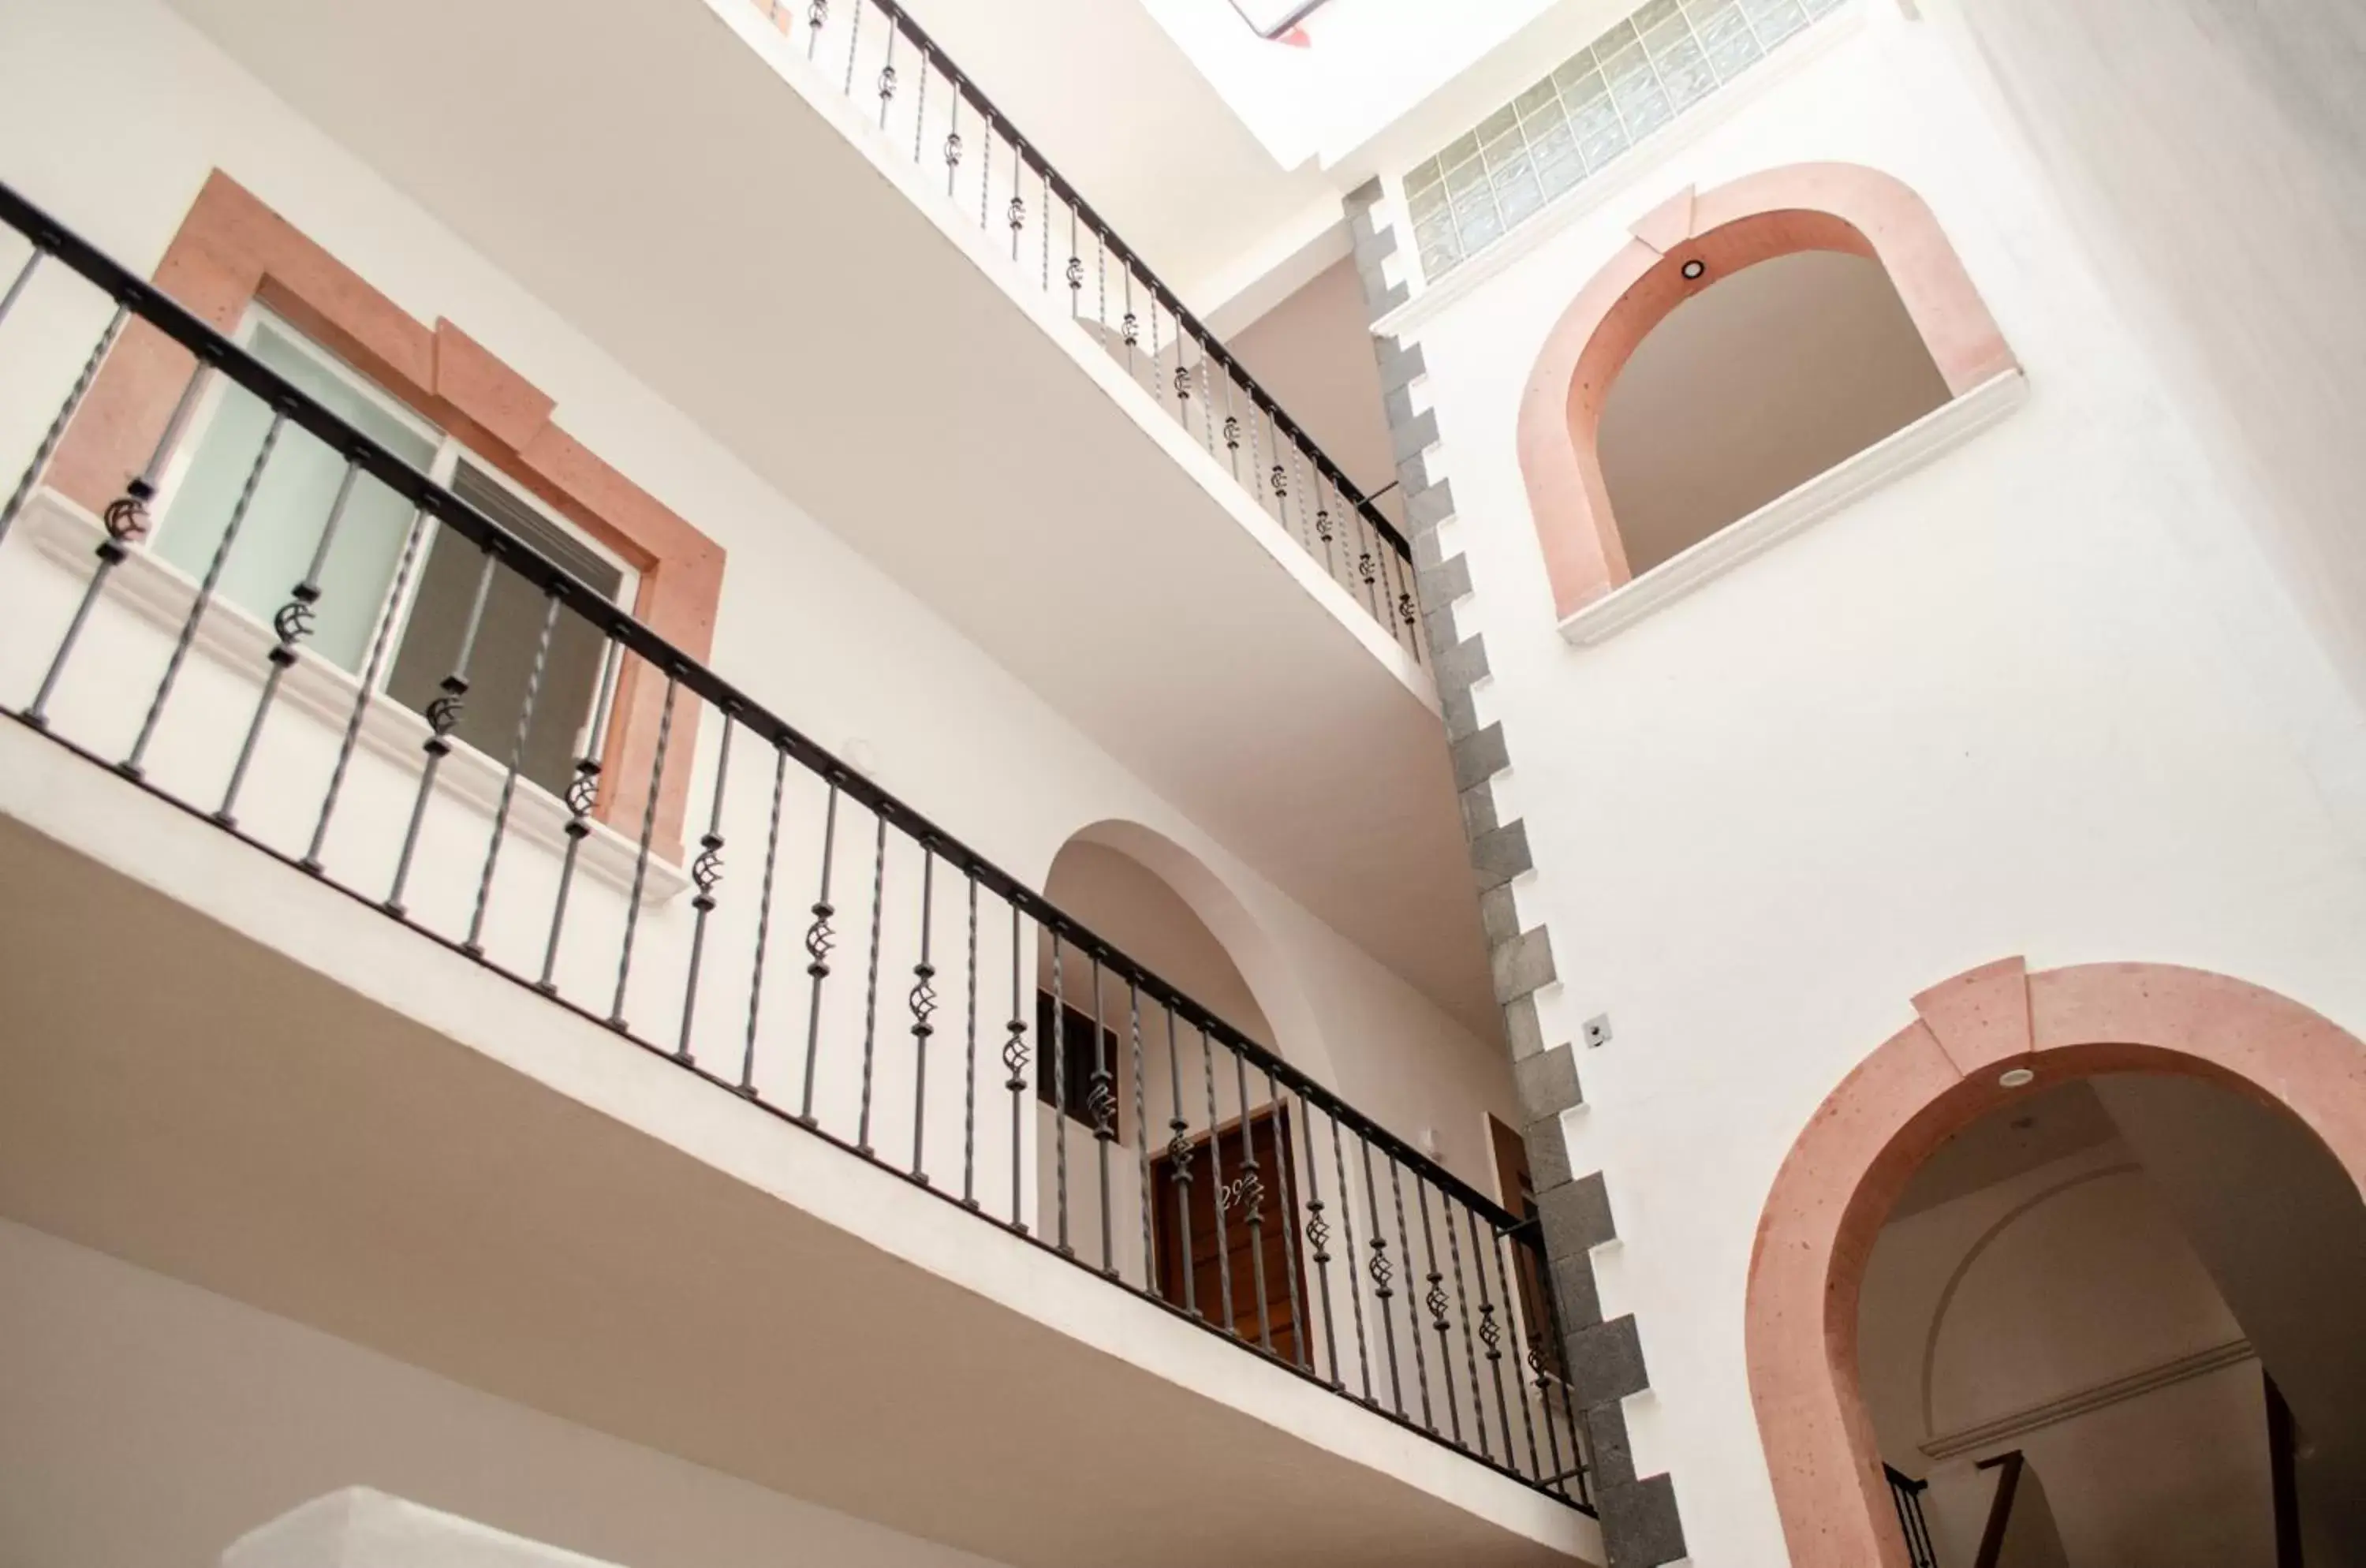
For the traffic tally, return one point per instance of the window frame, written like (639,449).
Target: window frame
(400,599)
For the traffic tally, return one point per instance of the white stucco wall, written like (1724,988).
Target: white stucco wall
(2043,697)
(148,1423)
(806,625)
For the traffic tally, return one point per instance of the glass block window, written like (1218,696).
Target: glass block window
(1643,72)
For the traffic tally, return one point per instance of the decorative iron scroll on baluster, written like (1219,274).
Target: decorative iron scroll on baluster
(707,875)
(923,1001)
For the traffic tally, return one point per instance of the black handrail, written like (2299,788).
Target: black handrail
(1906,1494)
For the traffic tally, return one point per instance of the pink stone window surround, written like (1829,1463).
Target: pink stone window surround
(1929,1081)
(1712,235)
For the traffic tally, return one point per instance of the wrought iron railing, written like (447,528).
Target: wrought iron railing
(1906,1494)
(1139,1135)
(869,50)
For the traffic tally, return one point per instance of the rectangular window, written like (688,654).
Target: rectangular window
(283,528)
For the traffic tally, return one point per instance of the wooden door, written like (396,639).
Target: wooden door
(1194,1208)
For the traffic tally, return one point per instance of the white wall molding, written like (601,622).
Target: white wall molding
(2085,1401)
(1885,461)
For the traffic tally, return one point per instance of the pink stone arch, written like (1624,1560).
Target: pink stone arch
(1801,206)
(1927,1082)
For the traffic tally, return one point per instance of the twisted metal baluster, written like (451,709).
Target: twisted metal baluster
(1059,1064)
(443,717)
(1284,1160)
(1252,1197)
(1014,1062)
(368,689)
(1491,1333)
(1355,1291)
(1469,1350)
(1141,1133)
(953,136)
(1404,1246)
(871,984)
(1436,1300)
(819,939)
(1383,1275)
(1527,1415)
(763,921)
(816,17)
(969,1072)
(1544,1380)
(854,42)
(126,518)
(1322,531)
(582,795)
(706,874)
(474,946)
(1074,271)
(1318,1231)
(923,1001)
(1216,1183)
(641,859)
(1101,1098)
(1178,1154)
(1406,605)
(24,276)
(40,466)
(132,765)
(1365,543)
(887,85)
(292,624)
(1018,208)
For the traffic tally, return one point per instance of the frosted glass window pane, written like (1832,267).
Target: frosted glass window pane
(292,504)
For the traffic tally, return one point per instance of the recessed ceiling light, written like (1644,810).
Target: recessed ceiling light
(1694,269)
(2016,1077)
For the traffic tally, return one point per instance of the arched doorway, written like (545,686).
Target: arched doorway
(2000,1040)
(1909,308)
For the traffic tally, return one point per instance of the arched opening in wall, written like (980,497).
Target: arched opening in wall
(2065,1273)
(1166,1153)
(2091,1321)
(1751,388)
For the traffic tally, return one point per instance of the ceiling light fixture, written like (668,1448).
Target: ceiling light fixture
(1694,270)
(2017,1077)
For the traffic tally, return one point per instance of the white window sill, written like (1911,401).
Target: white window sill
(1882,463)
(161,595)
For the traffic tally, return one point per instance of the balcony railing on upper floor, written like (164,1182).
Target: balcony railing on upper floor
(854,969)
(869,51)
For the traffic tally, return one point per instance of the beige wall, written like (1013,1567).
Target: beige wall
(146,1424)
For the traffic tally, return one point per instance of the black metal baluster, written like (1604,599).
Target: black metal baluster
(641,859)
(1014,1061)
(984,167)
(919,106)
(126,518)
(1301,1350)
(1178,1154)
(443,716)
(1216,1183)
(1383,1275)
(582,795)
(1544,1380)
(1469,1350)
(969,1072)
(1404,1250)
(23,276)
(706,874)
(1017,210)
(1256,457)
(1491,1333)
(854,43)
(820,937)
(1347,1225)
(1436,1300)
(763,921)
(132,765)
(923,1001)
(871,980)
(887,85)
(40,466)
(1044,185)
(1252,1197)
(954,137)
(1129,328)
(1208,399)
(1058,1061)
(816,17)
(1323,528)
(474,945)
(292,624)
(1141,1133)
(1101,1098)
(1407,608)
(367,689)
(1365,543)
(1516,1310)
(1569,1410)
(1318,1231)
(1074,271)
(1232,421)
